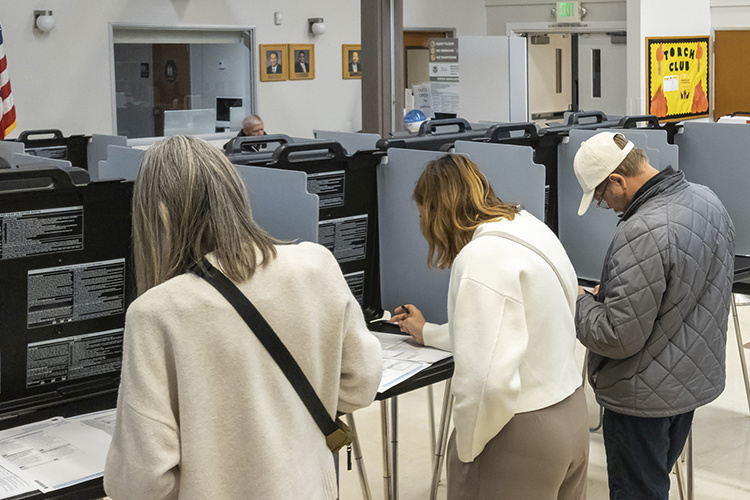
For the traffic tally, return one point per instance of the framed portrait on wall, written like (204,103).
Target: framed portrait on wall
(351,64)
(274,65)
(302,61)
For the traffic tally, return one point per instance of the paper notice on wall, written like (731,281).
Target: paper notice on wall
(444,75)
(423,99)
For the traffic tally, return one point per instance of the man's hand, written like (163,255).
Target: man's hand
(594,291)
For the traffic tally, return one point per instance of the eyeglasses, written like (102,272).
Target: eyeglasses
(599,193)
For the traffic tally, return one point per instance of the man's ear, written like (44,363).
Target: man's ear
(618,180)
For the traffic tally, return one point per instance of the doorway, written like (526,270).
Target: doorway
(576,72)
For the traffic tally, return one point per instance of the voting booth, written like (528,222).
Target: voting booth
(67,281)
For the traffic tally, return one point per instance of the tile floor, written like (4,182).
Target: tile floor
(721,437)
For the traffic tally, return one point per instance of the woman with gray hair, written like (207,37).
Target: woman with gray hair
(203,410)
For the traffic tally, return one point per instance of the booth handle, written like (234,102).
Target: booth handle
(58,178)
(23,136)
(632,121)
(330,150)
(503,130)
(428,127)
(574,118)
(238,142)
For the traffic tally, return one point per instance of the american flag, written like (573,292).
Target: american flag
(7,109)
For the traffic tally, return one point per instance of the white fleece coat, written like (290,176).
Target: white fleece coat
(510,328)
(205,412)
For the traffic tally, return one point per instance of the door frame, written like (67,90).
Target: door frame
(523,29)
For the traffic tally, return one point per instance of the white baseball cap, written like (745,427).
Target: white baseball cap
(595,160)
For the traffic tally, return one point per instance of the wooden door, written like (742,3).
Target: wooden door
(171,80)
(731,72)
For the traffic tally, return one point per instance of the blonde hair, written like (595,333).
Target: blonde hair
(188,200)
(455,198)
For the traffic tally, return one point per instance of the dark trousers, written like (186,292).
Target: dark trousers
(641,453)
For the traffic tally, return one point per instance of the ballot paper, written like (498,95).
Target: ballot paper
(402,358)
(56,453)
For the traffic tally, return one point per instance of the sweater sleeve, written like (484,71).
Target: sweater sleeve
(437,336)
(619,326)
(144,455)
(490,339)
(361,360)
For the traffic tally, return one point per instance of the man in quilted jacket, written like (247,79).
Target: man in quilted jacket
(656,325)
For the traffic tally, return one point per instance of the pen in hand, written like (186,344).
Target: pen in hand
(406,310)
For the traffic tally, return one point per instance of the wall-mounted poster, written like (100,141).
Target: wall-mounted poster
(677,70)
(351,65)
(273,63)
(302,57)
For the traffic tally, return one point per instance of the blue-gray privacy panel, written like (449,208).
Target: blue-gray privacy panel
(22,159)
(511,171)
(96,150)
(121,163)
(669,154)
(404,275)
(351,141)
(7,148)
(280,202)
(586,238)
(716,155)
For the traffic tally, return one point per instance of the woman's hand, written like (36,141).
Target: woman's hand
(410,320)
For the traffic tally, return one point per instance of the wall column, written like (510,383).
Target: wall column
(382,66)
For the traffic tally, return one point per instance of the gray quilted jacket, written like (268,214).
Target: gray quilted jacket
(656,331)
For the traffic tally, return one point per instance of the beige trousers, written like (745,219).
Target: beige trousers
(538,455)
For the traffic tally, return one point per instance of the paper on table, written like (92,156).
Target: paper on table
(57,453)
(11,484)
(402,358)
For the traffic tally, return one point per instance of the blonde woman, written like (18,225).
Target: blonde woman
(520,414)
(203,410)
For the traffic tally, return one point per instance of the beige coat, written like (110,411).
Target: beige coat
(205,412)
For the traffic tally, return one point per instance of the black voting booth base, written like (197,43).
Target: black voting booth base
(67,281)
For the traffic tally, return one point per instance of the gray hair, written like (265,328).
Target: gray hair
(633,162)
(189,201)
(251,120)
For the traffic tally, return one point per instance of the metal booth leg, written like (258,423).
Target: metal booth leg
(431,417)
(357,449)
(442,441)
(686,491)
(741,349)
(394,447)
(385,428)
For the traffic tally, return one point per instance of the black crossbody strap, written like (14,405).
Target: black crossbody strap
(271,342)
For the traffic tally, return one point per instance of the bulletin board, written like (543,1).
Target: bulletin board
(677,77)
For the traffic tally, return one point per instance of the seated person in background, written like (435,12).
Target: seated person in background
(521,425)
(203,409)
(252,126)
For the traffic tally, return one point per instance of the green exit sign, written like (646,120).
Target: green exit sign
(568,12)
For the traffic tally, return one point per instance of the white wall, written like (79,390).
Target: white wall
(63,79)
(467,17)
(647,18)
(501,12)
(730,14)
